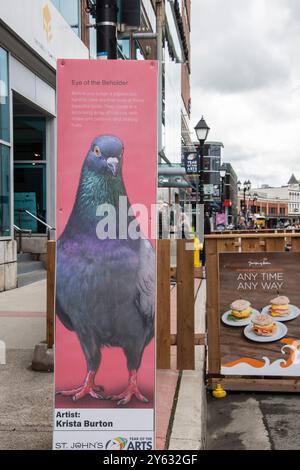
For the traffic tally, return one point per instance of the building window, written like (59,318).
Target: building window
(4,191)
(215,164)
(4,96)
(124,48)
(215,151)
(5,202)
(206,164)
(30,165)
(282,211)
(70,11)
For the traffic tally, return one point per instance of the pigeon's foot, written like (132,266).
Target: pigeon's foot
(88,388)
(132,390)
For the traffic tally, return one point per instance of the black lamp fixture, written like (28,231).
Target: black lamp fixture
(222,172)
(202,130)
(245,188)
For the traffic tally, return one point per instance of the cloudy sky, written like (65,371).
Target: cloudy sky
(246,83)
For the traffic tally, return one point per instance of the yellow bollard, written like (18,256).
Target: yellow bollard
(219,392)
(197,248)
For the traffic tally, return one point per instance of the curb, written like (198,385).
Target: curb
(190,411)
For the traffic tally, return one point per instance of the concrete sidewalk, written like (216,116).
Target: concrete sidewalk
(189,425)
(23,316)
(26,404)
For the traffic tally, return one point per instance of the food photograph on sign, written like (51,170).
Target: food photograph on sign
(106,263)
(260,313)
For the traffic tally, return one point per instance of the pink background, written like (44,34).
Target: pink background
(139,172)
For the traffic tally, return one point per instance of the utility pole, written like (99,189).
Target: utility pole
(106,24)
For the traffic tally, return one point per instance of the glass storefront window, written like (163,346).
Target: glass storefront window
(4,96)
(4,191)
(29,138)
(30,194)
(70,11)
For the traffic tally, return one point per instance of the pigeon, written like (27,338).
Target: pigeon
(105,287)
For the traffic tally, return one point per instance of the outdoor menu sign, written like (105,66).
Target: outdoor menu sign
(260,278)
(192,163)
(106,275)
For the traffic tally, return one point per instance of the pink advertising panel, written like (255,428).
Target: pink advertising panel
(106,262)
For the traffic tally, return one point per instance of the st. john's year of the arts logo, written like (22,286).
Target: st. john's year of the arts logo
(119,443)
(133,443)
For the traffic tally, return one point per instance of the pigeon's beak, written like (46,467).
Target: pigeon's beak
(113,165)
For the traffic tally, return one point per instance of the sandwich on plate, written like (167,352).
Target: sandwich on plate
(263,325)
(280,306)
(240,309)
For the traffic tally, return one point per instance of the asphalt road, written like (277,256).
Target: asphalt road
(252,421)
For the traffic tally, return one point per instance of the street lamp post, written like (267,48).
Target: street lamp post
(245,188)
(222,175)
(202,131)
(253,204)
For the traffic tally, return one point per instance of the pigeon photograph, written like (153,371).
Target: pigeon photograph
(105,287)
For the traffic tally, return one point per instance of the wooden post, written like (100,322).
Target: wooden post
(295,244)
(252,244)
(275,244)
(185,305)
(163,305)
(51,261)
(212,306)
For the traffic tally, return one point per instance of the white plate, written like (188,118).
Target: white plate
(243,322)
(294,312)
(280,333)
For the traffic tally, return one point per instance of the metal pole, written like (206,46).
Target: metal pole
(201,153)
(223,195)
(201,190)
(106,23)
(159,28)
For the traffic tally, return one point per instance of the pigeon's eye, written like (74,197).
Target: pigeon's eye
(97,151)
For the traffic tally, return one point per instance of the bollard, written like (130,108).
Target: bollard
(197,249)
(2,353)
(219,392)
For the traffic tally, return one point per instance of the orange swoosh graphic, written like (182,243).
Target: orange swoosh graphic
(246,360)
(291,357)
(259,364)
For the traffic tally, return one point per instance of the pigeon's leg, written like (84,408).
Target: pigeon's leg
(133,353)
(93,358)
(88,388)
(131,391)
